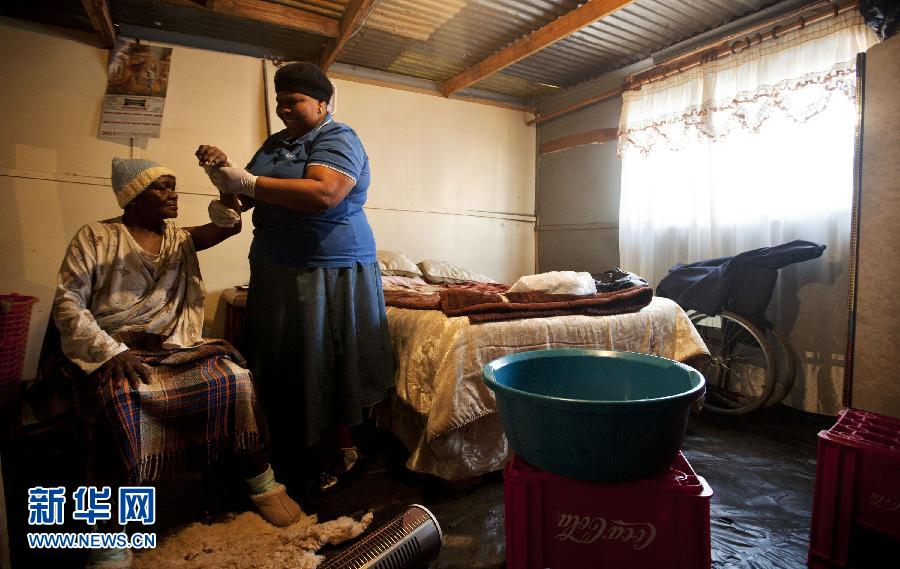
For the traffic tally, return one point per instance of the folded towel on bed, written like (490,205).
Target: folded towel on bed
(428,296)
(515,305)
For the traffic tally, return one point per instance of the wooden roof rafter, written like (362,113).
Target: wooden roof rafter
(270,13)
(98,13)
(562,27)
(354,18)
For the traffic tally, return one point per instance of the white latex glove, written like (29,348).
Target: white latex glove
(210,168)
(222,215)
(231,180)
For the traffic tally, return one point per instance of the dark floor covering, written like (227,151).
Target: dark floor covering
(761,467)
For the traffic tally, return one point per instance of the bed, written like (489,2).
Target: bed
(441,409)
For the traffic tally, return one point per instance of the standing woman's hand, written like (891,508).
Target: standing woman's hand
(211,156)
(230,180)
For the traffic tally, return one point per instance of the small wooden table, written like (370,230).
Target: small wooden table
(5,562)
(235,300)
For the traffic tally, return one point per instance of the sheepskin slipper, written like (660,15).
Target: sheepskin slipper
(276,507)
(125,562)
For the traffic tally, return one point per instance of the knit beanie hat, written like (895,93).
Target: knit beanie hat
(306,78)
(130,177)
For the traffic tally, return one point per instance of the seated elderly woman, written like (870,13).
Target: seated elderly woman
(129,310)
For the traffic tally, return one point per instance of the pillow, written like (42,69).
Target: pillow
(397,264)
(444,272)
(394,280)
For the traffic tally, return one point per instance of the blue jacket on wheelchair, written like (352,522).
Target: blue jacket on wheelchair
(741,284)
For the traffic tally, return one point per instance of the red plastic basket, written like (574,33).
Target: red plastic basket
(857,487)
(554,522)
(15,316)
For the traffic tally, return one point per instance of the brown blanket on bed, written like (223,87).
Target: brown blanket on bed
(488,302)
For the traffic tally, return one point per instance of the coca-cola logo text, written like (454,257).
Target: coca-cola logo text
(587,529)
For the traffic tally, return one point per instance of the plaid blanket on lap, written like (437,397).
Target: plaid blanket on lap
(199,398)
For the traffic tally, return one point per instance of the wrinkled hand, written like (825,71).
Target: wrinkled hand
(231,180)
(211,156)
(231,201)
(126,366)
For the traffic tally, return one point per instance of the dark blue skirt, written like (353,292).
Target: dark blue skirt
(318,346)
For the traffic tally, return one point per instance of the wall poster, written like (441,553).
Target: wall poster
(137,80)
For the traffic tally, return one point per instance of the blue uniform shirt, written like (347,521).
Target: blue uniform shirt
(338,237)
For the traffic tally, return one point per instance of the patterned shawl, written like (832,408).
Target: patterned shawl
(108,286)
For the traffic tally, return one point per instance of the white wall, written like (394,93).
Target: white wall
(578,188)
(451,180)
(578,194)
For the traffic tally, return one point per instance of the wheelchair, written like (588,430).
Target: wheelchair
(751,363)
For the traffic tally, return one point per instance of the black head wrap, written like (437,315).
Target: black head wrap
(304,78)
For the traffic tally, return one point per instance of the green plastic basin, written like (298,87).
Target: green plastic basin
(592,414)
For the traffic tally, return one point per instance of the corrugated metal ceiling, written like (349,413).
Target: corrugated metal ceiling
(183,18)
(479,28)
(436,39)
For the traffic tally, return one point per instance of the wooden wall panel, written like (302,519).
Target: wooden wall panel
(875,379)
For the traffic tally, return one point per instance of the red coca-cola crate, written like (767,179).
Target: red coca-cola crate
(857,488)
(554,522)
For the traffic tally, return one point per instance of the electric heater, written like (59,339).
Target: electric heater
(409,541)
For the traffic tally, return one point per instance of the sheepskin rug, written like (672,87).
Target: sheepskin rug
(246,541)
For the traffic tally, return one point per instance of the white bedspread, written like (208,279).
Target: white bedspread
(445,414)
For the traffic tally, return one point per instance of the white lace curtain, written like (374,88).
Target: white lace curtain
(749,151)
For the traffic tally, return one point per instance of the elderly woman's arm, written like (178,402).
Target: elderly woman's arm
(209,235)
(83,341)
(206,236)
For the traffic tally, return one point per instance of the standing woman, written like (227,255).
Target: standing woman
(317,336)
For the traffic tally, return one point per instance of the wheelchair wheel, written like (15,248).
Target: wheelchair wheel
(741,373)
(785,365)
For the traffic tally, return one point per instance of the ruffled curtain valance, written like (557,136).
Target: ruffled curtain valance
(795,77)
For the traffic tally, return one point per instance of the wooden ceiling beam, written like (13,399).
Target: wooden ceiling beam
(556,30)
(277,14)
(354,18)
(98,13)
(596,136)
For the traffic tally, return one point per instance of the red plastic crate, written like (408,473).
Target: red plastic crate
(554,522)
(857,486)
